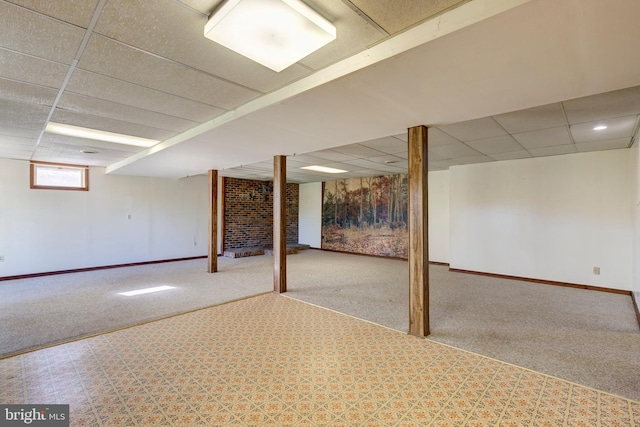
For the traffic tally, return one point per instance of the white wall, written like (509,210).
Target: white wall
(52,230)
(635,212)
(439,216)
(552,218)
(310,215)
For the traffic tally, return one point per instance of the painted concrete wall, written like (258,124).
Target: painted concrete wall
(634,170)
(310,215)
(439,216)
(552,218)
(53,230)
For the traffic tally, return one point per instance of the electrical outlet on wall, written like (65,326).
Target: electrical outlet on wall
(596,271)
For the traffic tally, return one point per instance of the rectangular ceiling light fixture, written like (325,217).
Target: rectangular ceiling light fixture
(99,135)
(274,33)
(323,169)
(147,290)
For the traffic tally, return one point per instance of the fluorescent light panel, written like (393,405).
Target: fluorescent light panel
(600,127)
(99,135)
(274,33)
(323,169)
(146,290)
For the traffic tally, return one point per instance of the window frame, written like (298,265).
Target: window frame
(35,186)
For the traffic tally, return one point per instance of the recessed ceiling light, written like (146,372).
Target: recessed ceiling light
(99,135)
(600,127)
(146,290)
(274,33)
(323,169)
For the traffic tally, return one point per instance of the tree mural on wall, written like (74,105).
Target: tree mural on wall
(366,215)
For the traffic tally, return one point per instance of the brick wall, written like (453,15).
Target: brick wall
(248,213)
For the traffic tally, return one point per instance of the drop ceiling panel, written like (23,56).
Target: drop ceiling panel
(76,12)
(604,145)
(544,117)
(512,155)
(625,102)
(16,154)
(619,127)
(400,14)
(34,34)
(474,129)
(19,132)
(499,144)
(88,144)
(353,34)
(97,107)
(29,69)
(553,151)
(168,29)
(389,160)
(437,138)
(12,90)
(389,145)
(203,6)
(115,60)
(17,142)
(110,125)
(455,151)
(358,150)
(544,138)
(121,92)
(22,115)
(333,155)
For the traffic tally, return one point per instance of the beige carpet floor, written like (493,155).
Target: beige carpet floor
(588,337)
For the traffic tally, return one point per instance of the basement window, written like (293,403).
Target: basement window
(58,176)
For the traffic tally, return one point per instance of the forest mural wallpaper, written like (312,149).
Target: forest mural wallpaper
(366,215)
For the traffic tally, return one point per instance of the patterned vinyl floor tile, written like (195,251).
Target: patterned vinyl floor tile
(274,361)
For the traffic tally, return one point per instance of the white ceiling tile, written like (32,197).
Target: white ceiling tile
(19,132)
(512,155)
(354,34)
(437,138)
(110,125)
(76,12)
(168,29)
(358,150)
(404,137)
(474,129)
(103,87)
(544,138)
(333,155)
(104,56)
(498,144)
(399,14)
(389,159)
(604,145)
(475,159)
(98,107)
(12,90)
(363,163)
(307,159)
(87,144)
(23,31)
(619,103)
(21,115)
(619,127)
(553,151)
(389,145)
(544,117)
(455,151)
(17,142)
(29,69)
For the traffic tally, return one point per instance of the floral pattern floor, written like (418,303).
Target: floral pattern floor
(273,361)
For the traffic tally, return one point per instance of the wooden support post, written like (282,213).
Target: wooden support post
(213,222)
(280,224)
(418,233)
